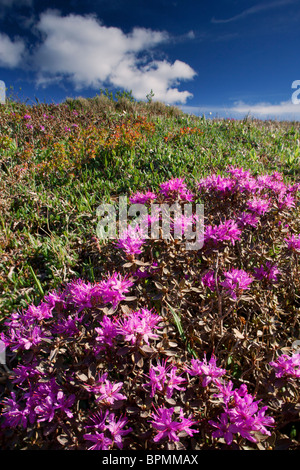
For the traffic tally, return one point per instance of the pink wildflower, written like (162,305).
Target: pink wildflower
(236,280)
(142,198)
(258,205)
(268,272)
(293,243)
(167,428)
(106,392)
(116,429)
(287,366)
(101,442)
(207,371)
(176,189)
(219,184)
(224,428)
(131,241)
(246,218)
(138,327)
(106,333)
(208,280)
(112,289)
(164,379)
(225,231)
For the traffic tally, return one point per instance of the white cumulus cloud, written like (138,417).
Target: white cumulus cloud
(11,51)
(285,110)
(89,54)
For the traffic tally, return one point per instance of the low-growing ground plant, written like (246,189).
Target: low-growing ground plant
(170,348)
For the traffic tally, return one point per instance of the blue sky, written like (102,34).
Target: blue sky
(229,58)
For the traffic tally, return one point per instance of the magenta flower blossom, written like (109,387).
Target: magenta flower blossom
(116,429)
(131,241)
(219,184)
(236,281)
(55,299)
(208,280)
(293,188)
(246,417)
(225,429)
(26,117)
(107,393)
(167,428)
(268,272)
(97,420)
(183,225)
(248,186)
(80,294)
(238,173)
(174,382)
(142,198)
(258,205)
(112,289)
(107,430)
(175,189)
(241,415)
(24,332)
(164,379)
(225,231)
(106,333)
(50,404)
(208,372)
(101,442)
(40,312)
(138,327)
(65,326)
(287,366)
(23,374)
(43,401)
(12,412)
(225,391)
(246,218)
(157,376)
(245,183)
(293,243)
(286,201)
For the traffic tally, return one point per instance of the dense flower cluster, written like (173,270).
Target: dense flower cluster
(176,189)
(287,366)
(185,361)
(241,415)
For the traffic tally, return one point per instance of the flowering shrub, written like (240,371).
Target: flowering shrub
(174,348)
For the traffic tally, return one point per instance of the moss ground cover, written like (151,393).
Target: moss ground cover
(146,345)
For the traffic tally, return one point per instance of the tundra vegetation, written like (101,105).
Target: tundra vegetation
(136,342)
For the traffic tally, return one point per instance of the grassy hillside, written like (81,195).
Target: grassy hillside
(59,162)
(143,343)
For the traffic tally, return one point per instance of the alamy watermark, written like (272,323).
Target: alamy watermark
(2,353)
(163,222)
(296,94)
(2,92)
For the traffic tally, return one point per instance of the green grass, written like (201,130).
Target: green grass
(47,220)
